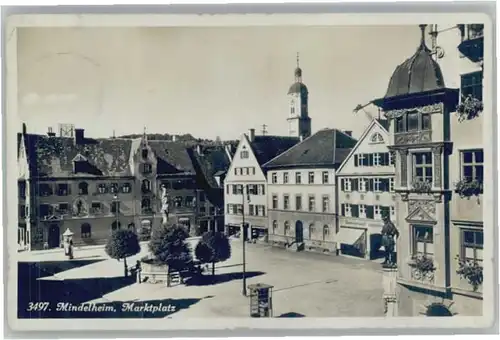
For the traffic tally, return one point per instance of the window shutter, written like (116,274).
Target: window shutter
(370,184)
(342,207)
(355,160)
(369,211)
(342,184)
(370,159)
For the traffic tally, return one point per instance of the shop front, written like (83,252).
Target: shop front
(359,238)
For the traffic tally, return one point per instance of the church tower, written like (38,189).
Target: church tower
(299,123)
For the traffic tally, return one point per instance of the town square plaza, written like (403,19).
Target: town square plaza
(304,285)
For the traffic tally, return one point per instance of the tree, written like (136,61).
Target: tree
(213,247)
(122,244)
(168,245)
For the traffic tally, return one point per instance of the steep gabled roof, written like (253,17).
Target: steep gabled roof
(266,148)
(382,123)
(53,156)
(173,157)
(325,147)
(211,162)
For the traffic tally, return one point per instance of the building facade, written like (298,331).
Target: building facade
(365,183)
(439,170)
(301,190)
(94,186)
(245,184)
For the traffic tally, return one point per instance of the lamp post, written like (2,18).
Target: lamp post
(244,291)
(115,198)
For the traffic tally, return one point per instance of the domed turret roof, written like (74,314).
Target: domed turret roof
(419,73)
(298,88)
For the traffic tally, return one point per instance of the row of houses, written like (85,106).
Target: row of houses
(423,164)
(94,186)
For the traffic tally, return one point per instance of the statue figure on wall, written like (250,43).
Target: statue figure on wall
(164,203)
(389,235)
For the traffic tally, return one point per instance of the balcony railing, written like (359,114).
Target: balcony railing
(472,45)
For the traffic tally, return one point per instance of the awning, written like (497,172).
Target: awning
(349,236)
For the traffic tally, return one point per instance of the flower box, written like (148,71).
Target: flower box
(469,108)
(468,188)
(423,264)
(421,186)
(471,271)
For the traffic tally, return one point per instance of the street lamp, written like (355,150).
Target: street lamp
(115,198)
(244,292)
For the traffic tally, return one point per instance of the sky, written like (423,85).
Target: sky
(205,81)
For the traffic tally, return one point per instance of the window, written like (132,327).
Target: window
(326,204)
(311,231)
(286,202)
(346,209)
(423,240)
(472,165)
(472,245)
(391,184)
(146,186)
(45,210)
(251,211)
(393,211)
(298,202)
(412,121)
(285,177)
(262,189)
(312,203)
(287,227)
(274,178)
(275,201)
(399,124)
(377,159)
(326,232)
(426,121)
(83,188)
(146,205)
(325,177)
(362,159)
(102,188)
(346,184)
(311,178)
(298,178)
(261,210)
(146,168)
(244,154)
(62,189)
(275,226)
(22,189)
(63,208)
(115,207)
(126,188)
(422,165)
(96,208)
(376,138)
(113,188)
(252,189)
(377,185)
(472,84)
(362,210)
(144,153)
(363,184)
(376,212)
(86,230)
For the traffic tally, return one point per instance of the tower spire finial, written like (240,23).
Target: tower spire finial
(422,37)
(298,59)
(298,71)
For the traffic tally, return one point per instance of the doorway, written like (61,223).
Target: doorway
(299,232)
(54,236)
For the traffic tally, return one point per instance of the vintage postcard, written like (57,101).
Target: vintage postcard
(288,171)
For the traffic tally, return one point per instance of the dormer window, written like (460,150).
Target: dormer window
(79,163)
(144,153)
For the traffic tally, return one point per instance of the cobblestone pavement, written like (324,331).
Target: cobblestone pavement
(312,285)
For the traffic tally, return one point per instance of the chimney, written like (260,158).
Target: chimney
(25,129)
(349,133)
(50,133)
(251,135)
(79,136)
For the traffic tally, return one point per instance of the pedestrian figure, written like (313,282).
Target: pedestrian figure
(389,235)
(70,249)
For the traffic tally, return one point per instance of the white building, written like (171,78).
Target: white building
(365,182)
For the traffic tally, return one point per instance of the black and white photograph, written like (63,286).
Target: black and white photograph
(249,172)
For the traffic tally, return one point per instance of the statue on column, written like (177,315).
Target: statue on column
(389,235)
(164,204)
